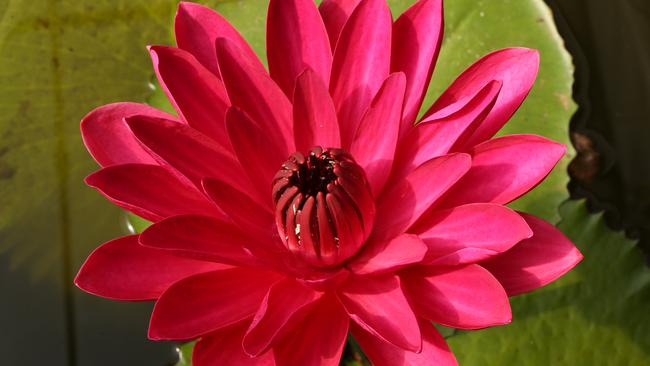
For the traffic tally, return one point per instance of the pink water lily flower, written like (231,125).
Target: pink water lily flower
(294,206)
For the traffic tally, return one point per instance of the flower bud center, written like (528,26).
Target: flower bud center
(324,208)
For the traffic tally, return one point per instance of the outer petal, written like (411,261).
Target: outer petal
(190,152)
(375,141)
(201,237)
(405,201)
(252,218)
(262,156)
(108,138)
(335,14)
(150,191)
(314,115)
(516,68)
(505,168)
(198,95)
(121,269)
(435,351)
(438,134)
(296,39)
(471,233)
(198,27)
(361,63)
(254,92)
(534,262)
(378,305)
(417,35)
(224,348)
(319,339)
(466,297)
(208,302)
(284,302)
(377,257)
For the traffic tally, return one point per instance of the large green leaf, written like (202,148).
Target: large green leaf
(597,314)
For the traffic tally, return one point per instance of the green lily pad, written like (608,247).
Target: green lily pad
(597,314)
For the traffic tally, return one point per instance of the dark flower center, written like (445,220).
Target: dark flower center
(324,208)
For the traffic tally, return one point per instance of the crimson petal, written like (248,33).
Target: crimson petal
(405,201)
(121,269)
(287,300)
(438,134)
(335,14)
(361,63)
(516,68)
(197,28)
(189,151)
(198,95)
(109,139)
(209,301)
(379,306)
(319,339)
(255,93)
(200,236)
(435,351)
(224,348)
(378,257)
(314,116)
(373,146)
(417,35)
(464,297)
(505,168)
(130,187)
(471,233)
(296,39)
(535,262)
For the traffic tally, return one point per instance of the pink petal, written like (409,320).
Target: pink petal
(438,134)
(404,201)
(379,257)
(417,35)
(251,217)
(314,116)
(198,95)
(255,93)
(108,138)
(296,39)
(335,14)
(535,262)
(121,269)
(224,348)
(361,63)
(465,297)
(319,338)
(201,237)
(197,28)
(505,168)
(284,302)
(378,305)
(262,156)
(375,141)
(471,233)
(150,191)
(190,152)
(435,351)
(208,302)
(516,68)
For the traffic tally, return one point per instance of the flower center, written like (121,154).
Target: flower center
(324,210)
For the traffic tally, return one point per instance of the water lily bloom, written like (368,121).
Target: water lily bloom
(294,206)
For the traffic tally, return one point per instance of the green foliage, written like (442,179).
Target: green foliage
(597,314)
